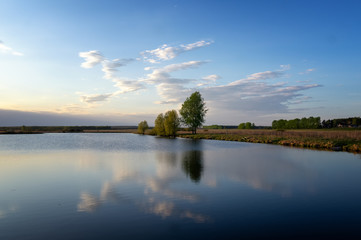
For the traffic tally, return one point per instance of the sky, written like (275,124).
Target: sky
(84,62)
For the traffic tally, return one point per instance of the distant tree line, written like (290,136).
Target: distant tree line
(303,123)
(213,127)
(315,122)
(247,125)
(342,122)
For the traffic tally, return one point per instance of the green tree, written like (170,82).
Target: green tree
(242,126)
(142,127)
(279,124)
(193,111)
(248,125)
(159,125)
(171,123)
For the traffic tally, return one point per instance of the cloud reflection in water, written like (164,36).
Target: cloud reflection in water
(160,196)
(163,179)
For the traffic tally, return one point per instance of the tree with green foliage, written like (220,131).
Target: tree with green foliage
(159,125)
(142,127)
(304,123)
(193,111)
(242,126)
(248,125)
(171,123)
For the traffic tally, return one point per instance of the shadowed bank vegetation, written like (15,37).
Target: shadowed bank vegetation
(337,140)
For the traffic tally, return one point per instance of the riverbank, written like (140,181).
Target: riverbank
(335,140)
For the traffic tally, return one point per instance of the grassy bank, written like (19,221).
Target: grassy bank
(336,140)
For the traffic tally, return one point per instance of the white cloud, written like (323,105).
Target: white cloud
(242,98)
(126,86)
(72,108)
(195,45)
(210,79)
(265,75)
(91,58)
(171,89)
(95,97)
(8,50)
(260,76)
(166,85)
(110,67)
(166,52)
(161,75)
(172,93)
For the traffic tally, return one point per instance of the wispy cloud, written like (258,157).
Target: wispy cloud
(167,52)
(8,50)
(307,71)
(255,94)
(91,58)
(172,93)
(162,75)
(210,79)
(111,67)
(126,86)
(72,108)
(92,98)
(171,90)
(264,75)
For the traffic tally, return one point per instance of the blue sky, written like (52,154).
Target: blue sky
(120,62)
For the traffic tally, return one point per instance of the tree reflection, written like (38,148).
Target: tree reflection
(192,165)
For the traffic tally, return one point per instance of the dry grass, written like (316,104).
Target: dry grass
(346,140)
(315,133)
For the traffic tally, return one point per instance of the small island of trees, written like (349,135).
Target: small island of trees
(192,113)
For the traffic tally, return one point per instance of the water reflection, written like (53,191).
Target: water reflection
(160,197)
(192,165)
(239,187)
(269,171)
(8,210)
(88,202)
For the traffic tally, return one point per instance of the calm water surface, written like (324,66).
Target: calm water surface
(126,186)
